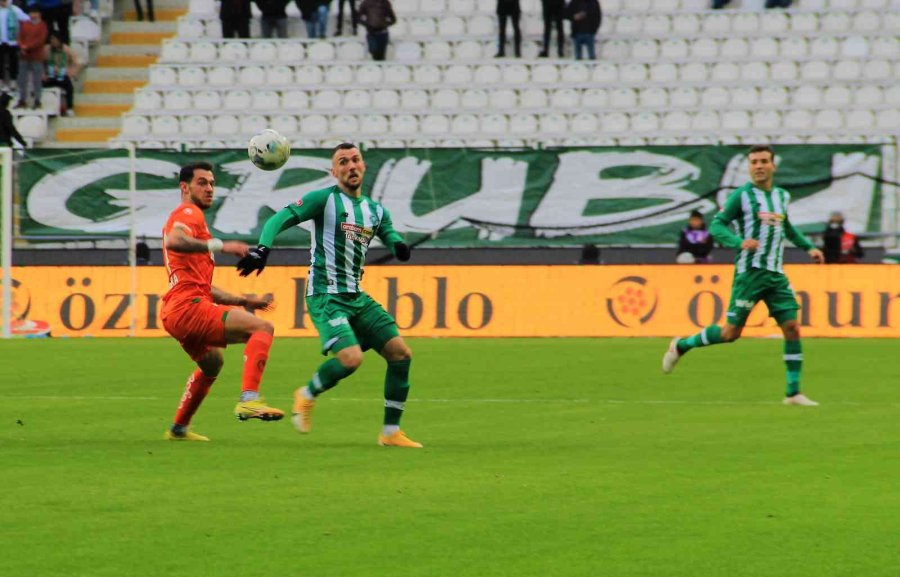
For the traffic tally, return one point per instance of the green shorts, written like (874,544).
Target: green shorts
(347,319)
(757,285)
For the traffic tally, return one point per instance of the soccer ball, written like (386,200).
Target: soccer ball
(269,150)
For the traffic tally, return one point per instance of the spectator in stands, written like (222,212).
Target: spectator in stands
(62,67)
(7,128)
(554,10)
(235,17)
(11,17)
(586,18)
(340,17)
(56,14)
(32,37)
(509,10)
(695,243)
(840,246)
(377,16)
(315,16)
(274,18)
(140,10)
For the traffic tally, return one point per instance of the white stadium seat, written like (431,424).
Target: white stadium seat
(295,100)
(860,120)
(203,52)
(357,100)
(309,74)
(165,126)
(807,97)
(208,100)
(533,98)
(773,96)
(313,124)
(195,125)
(449,98)
(191,76)
(564,99)
(286,124)
(404,124)
(279,76)
(220,76)
(338,75)
(386,99)
(263,52)
(147,100)
(346,124)
(252,76)
(414,100)
(494,124)
(235,52)
(266,100)
(237,100)
(464,124)
(829,120)
(397,74)
(523,124)
(326,100)
(177,100)
(435,124)
(575,74)
(515,74)
(135,126)
(428,75)
(553,123)
(474,99)
(766,120)
(174,51)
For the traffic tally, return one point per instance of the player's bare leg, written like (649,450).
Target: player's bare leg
(793,360)
(243,327)
(396,388)
(198,385)
(329,373)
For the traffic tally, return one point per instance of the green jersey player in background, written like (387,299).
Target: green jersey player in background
(348,320)
(761,212)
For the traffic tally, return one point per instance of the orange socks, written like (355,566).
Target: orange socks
(256,353)
(197,387)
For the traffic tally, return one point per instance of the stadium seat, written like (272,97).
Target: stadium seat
(252,76)
(397,74)
(145,99)
(451,26)
(634,73)
(674,49)
(263,52)
(605,73)
(545,74)
(415,100)
(357,100)
(793,47)
(191,76)
(836,22)
(684,97)
(369,75)
(645,122)
(823,47)
(704,49)
(295,100)
(653,98)
(515,74)
(798,120)
(663,72)
(755,72)
(847,70)
(783,71)
(623,98)
(499,99)
(464,124)
(564,99)
(203,52)
(194,125)
(291,52)
(315,124)
(656,25)
(615,50)
(437,124)
(320,52)
(494,124)
(889,119)
(235,52)
(438,51)
(523,124)
(735,120)
(404,124)
(877,70)
(575,74)
(553,123)
(677,121)
(279,75)
(339,75)
(829,120)
(223,76)
(611,122)
(645,50)
(745,24)
(427,75)
(773,96)
(807,97)
(686,25)
(854,47)
(716,24)
(386,100)
(286,124)
(135,126)
(174,51)
(725,72)
(474,99)
(735,48)
(177,100)
(766,120)
(481,25)
(165,126)
(836,96)
(629,25)
(533,98)
(345,125)
(804,22)
(237,100)
(765,48)
(859,120)
(352,51)
(885,47)
(407,51)
(706,121)
(694,72)
(715,97)
(309,74)
(266,100)
(326,100)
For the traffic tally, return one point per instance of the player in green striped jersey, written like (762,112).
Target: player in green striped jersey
(760,211)
(348,320)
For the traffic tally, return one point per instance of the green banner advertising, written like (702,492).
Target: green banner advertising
(638,196)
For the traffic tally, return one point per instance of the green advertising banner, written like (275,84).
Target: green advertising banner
(637,196)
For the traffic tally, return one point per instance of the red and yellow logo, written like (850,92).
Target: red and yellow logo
(631,301)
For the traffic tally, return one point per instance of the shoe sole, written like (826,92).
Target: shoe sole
(260,416)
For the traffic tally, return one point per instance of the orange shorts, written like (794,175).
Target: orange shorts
(198,325)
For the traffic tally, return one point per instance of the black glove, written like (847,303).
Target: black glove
(254,261)
(402,251)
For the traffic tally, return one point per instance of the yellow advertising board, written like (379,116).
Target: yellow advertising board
(482,301)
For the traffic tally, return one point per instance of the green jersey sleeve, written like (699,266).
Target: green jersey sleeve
(719,228)
(386,232)
(796,237)
(304,209)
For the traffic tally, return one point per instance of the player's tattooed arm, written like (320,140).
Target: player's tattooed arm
(180,240)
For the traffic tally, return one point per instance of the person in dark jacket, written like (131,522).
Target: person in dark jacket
(509,10)
(840,246)
(7,129)
(586,18)
(354,18)
(274,18)
(235,17)
(376,16)
(554,10)
(695,243)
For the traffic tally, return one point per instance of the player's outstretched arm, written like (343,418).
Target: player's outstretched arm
(392,239)
(257,303)
(719,227)
(180,240)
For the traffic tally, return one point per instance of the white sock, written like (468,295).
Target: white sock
(249,396)
(390,430)
(306,394)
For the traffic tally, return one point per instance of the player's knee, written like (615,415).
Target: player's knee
(211,365)
(265,327)
(351,359)
(730,336)
(403,353)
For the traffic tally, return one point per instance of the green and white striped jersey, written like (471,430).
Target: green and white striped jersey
(760,215)
(343,227)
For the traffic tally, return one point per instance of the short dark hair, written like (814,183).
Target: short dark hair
(342,146)
(762,148)
(186,174)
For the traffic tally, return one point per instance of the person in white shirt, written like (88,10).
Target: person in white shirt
(10,17)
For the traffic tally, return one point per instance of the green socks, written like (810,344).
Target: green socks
(708,336)
(793,360)
(396,388)
(328,375)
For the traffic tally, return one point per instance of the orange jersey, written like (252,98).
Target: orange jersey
(190,274)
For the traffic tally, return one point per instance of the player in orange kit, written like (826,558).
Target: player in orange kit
(192,313)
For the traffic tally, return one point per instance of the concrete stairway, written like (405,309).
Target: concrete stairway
(121,66)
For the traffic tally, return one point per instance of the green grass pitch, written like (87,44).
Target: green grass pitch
(543,458)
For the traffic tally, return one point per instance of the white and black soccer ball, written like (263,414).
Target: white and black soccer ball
(269,150)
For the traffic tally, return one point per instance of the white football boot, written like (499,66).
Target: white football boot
(800,400)
(670,359)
